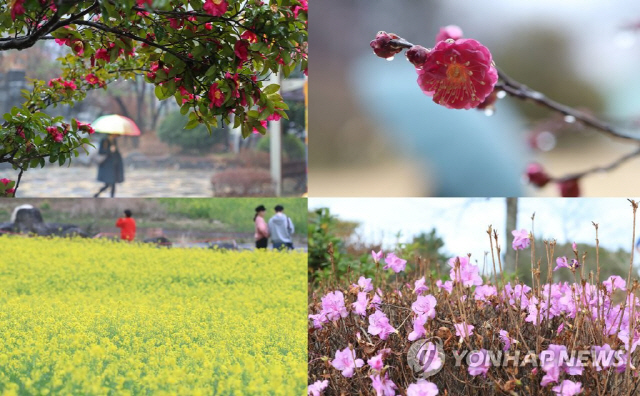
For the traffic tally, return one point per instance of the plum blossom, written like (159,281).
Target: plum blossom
(449,32)
(383,386)
(448,285)
(458,74)
(419,286)
(382,45)
(360,306)
(464,330)
(614,282)
(344,361)
(520,239)
(425,306)
(479,363)
(333,306)
(422,388)
(467,273)
(377,256)
(395,263)
(567,388)
(317,388)
(379,325)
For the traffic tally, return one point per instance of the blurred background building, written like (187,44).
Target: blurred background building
(374,133)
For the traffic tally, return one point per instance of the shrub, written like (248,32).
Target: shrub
(172,132)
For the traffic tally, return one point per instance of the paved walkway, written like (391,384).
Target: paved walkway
(81,182)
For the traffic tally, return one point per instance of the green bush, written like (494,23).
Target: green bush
(292,147)
(171,131)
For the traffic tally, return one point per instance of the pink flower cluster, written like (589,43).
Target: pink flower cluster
(8,191)
(60,83)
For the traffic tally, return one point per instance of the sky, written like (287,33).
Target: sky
(462,222)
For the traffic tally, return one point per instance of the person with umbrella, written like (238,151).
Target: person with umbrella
(111,168)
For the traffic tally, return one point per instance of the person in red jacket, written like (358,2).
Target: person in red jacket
(127,226)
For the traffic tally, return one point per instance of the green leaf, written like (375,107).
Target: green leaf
(192,124)
(273,88)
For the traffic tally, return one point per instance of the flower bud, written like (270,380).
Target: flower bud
(382,45)
(537,176)
(417,55)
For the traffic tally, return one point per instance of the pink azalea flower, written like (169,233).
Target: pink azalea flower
(464,330)
(344,361)
(567,388)
(377,362)
(215,7)
(556,357)
(365,284)
(560,328)
(603,357)
(479,363)
(360,306)
(418,328)
(614,282)
(379,325)
(319,320)
(376,301)
(458,75)
(449,32)
(419,286)
(383,386)
(395,263)
(574,247)
(425,306)
(504,336)
(430,357)
(422,388)
(561,262)
(467,274)
(551,376)
(520,239)
(485,291)
(377,256)
(629,343)
(317,388)
(333,306)
(448,285)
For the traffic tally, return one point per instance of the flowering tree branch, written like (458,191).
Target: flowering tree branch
(446,72)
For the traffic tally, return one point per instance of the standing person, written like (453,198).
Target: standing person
(111,169)
(262,230)
(127,226)
(281,229)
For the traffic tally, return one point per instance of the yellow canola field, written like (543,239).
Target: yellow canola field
(107,318)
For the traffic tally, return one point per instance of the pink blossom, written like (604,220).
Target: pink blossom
(17,9)
(629,343)
(376,301)
(395,263)
(360,306)
(567,388)
(55,133)
(520,239)
(377,256)
(449,32)
(425,306)
(467,273)
(448,285)
(603,356)
(85,127)
(376,362)
(419,286)
(215,7)
(364,284)
(241,49)
(560,328)
(418,327)
(344,361)
(574,247)
(318,319)
(504,337)
(557,357)
(485,291)
(537,176)
(561,262)
(317,388)
(92,79)
(430,356)
(215,96)
(614,282)
(383,386)
(464,330)
(333,305)
(479,363)
(379,325)
(422,388)
(459,75)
